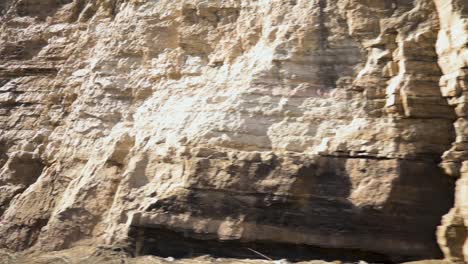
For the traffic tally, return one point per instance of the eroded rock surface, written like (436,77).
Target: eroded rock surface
(326,123)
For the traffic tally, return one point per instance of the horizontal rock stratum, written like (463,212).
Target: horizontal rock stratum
(329,125)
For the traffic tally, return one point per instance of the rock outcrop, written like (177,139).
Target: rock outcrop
(333,124)
(452,48)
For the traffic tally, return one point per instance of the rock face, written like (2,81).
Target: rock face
(326,123)
(452,47)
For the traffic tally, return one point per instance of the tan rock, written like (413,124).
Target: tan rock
(319,123)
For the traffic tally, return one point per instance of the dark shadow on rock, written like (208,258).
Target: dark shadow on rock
(419,197)
(21,170)
(39,8)
(308,198)
(166,243)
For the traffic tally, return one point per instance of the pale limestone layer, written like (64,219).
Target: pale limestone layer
(311,122)
(452,50)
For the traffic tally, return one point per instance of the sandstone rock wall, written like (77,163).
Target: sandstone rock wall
(453,60)
(307,122)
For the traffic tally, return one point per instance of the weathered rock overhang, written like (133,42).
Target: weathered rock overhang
(320,206)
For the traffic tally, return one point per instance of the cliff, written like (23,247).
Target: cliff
(334,124)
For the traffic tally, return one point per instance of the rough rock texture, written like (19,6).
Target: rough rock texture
(331,123)
(452,48)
